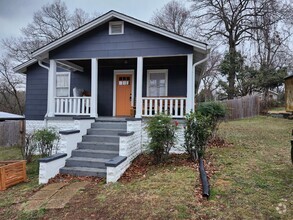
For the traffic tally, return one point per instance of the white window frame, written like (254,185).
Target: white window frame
(149,72)
(69,76)
(115,23)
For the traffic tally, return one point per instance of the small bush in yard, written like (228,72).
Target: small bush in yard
(46,140)
(29,148)
(215,110)
(197,132)
(161,131)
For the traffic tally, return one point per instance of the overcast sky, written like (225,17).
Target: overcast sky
(15,14)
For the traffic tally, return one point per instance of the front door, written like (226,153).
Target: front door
(123,94)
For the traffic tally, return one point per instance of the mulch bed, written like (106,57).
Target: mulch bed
(66,178)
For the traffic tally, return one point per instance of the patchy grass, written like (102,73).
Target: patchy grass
(11,198)
(256,174)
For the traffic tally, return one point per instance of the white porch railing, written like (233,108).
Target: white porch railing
(72,105)
(173,106)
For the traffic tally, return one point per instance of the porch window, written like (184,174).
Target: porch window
(63,84)
(157,82)
(116,27)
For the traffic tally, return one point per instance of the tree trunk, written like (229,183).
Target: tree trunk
(232,71)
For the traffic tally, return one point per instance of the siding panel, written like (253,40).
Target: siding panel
(36,92)
(135,41)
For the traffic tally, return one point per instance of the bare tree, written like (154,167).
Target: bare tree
(230,20)
(210,75)
(79,18)
(175,17)
(11,99)
(49,23)
(272,45)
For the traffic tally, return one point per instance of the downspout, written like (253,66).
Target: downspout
(42,65)
(193,72)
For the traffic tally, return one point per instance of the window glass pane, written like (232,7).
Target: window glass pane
(62,80)
(62,85)
(157,84)
(61,92)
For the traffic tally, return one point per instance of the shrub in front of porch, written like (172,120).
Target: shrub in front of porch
(41,142)
(162,132)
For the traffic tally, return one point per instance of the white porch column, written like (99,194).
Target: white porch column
(139,73)
(51,89)
(94,88)
(190,85)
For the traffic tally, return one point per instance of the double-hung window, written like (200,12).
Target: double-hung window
(63,84)
(157,82)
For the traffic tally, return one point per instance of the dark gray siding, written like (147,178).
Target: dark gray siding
(177,73)
(81,80)
(36,92)
(135,41)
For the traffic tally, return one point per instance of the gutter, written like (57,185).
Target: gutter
(193,73)
(45,118)
(42,65)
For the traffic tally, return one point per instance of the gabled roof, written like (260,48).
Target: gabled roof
(198,46)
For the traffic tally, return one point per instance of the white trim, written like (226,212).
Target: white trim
(190,85)
(116,23)
(51,88)
(69,65)
(69,80)
(122,72)
(139,79)
(94,87)
(150,71)
(23,67)
(201,47)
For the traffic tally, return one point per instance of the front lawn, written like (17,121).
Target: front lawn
(253,180)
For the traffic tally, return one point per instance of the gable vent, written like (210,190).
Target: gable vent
(116,27)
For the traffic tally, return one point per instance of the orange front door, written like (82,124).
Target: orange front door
(123,94)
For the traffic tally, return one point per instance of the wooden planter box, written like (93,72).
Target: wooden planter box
(12,172)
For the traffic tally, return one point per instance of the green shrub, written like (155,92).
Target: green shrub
(161,131)
(197,132)
(215,110)
(46,141)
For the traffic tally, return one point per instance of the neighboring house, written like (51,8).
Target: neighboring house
(115,66)
(273,96)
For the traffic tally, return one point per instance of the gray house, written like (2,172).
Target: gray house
(114,66)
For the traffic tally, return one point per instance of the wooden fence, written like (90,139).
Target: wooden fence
(11,133)
(243,107)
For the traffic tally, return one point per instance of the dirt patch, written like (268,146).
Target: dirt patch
(218,142)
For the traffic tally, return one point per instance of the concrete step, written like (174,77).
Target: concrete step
(84,171)
(105,154)
(98,146)
(109,125)
(85,162)
(101,138)
(104,131)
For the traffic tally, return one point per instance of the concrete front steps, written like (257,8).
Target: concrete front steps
(99,145)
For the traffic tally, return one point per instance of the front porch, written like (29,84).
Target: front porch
(156,85)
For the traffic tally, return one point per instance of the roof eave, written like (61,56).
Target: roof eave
(22,68)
